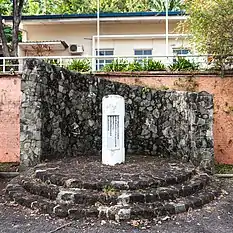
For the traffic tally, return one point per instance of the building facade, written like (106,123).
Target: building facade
(120,34)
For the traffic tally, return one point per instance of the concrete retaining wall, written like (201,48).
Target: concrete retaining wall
(9,118)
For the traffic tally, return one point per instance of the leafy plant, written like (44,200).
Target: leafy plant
(8,33)
(116,65)
(183,64)
(151,65)
(160,5)
(80,65)
(135,66)
(109,190)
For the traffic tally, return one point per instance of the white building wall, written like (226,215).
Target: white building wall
(83,33)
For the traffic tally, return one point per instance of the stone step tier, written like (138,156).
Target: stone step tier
(134,196)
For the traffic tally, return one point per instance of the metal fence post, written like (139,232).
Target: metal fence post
(4,65)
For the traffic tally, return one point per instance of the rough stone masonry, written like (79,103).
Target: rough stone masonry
(61,116)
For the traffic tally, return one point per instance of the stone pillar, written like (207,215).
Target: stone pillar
(30,115)
(113,112)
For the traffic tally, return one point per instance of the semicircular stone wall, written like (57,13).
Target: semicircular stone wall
(61,116)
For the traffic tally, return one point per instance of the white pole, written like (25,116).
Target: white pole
(98,29)
(166,27)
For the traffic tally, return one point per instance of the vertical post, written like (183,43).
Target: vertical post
(93,60)
(98,30)
(167,27)
(113,112)
(60,62)
(4,65)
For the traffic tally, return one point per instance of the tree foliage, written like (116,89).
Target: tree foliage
(35,7)
(5,7)
(173,5)
(211,24)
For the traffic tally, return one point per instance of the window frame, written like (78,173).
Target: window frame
(175,55)
(140,59)
(181,49)
(100,63)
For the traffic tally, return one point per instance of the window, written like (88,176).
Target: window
(142,52)
(100,63)
(180,52)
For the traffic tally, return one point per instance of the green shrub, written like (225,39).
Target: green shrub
(116,66)
(183,64)
(151,65)
(80,65)
(135,66)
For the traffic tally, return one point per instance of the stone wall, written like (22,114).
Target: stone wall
(61,116)
(220,87)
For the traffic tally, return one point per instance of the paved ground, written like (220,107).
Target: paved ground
(216,217)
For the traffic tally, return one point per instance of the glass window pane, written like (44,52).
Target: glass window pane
(177,51)
(181,51)
(109,52)
(148,52)
(108,61)
(185,51)
(104,52)
(137,52)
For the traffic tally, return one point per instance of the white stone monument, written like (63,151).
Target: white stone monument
(113,113)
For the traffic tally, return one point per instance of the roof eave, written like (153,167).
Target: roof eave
(102,15)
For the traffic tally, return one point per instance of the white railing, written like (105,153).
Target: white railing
(15,64)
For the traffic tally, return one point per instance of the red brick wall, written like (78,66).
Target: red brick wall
(221,88)
(9,118)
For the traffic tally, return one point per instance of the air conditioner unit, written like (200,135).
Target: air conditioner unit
(76,49)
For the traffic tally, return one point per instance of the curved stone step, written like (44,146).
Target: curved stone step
(165,193)
(117,212)
(90,197)
(107,196)
(18,194)
(132,182)
(153,210)
(66,195)
(143,187)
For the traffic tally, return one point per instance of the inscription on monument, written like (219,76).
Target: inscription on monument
(113,140)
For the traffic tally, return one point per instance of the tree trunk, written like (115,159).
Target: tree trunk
(5,48)
(17,14)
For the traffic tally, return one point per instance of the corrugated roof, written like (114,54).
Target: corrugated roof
(102,15)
